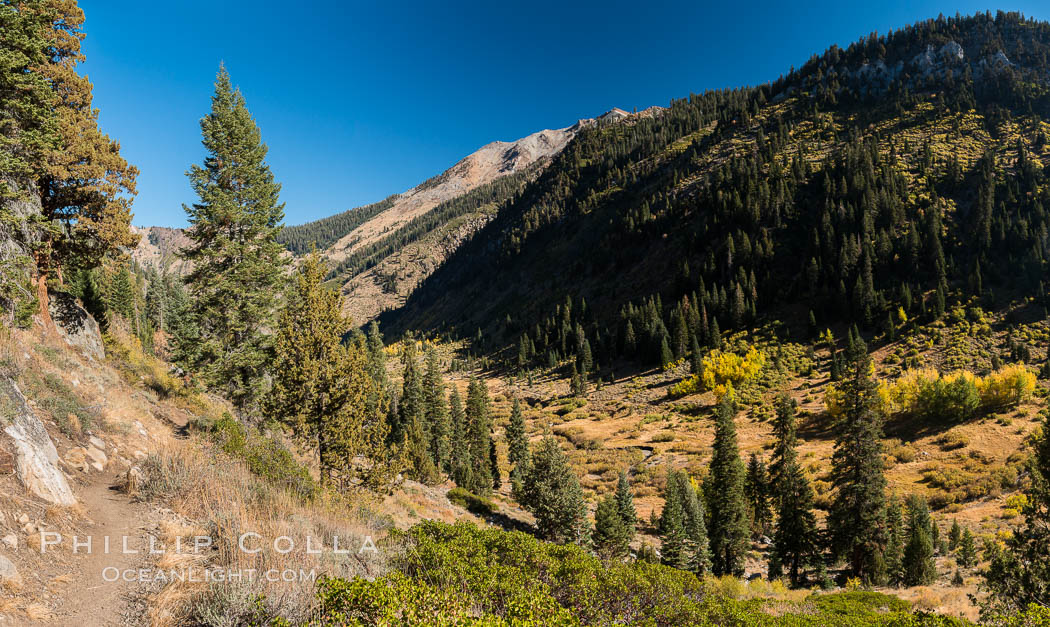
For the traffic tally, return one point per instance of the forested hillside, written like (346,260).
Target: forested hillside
(772,355)
(905,171)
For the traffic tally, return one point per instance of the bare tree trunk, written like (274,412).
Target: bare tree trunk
(45,303)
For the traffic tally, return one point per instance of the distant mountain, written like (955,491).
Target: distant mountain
(381,252)
(908,171)
(158,246)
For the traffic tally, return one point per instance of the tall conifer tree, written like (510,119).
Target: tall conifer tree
(857,519)
(727,525)
(321,388)
(236,259)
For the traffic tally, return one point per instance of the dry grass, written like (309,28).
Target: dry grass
(220,498)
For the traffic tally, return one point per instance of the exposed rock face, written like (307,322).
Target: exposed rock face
(36,460)
(76,326)
(159,247)
(8,572)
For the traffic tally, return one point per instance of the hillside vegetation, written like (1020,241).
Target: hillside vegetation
(773,355)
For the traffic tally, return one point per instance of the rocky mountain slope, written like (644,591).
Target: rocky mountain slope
(158,246)
(823,191)
(381,252)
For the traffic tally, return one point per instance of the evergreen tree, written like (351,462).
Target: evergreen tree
(436,410)
(497,477)
(625,504)
(459,449)
(698,554)
(968,551)
(552,493)
(858,513)
(672,526)
(51,146)
(517,441)
(919,566)
(756,492)
(479,436)
(727,531)
(121,296)
(237,262)
(666,356)
(321,389)
(695,357)
(955,535)
(1019,572)
(611,537)
(409,429)
(895,538)
(376,355)
(794,538)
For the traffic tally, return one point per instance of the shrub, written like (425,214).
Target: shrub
(264,454)
(951,441)
(463,575)
(952,397)
(471,502)
(721,370)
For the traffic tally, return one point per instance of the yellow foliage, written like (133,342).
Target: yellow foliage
(721,370)
(958,394)
(1006,387)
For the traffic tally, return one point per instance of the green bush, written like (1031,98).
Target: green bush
(264,455)
(464,575)
(471,502)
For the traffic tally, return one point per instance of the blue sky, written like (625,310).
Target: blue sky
(361,100)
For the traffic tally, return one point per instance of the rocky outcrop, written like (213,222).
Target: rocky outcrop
(8,572)
(36,460)
(76,326)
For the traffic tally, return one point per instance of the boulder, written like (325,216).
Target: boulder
(76,326)
(8,572)
(10,541)
(76,457)
(97,457)
(36,460)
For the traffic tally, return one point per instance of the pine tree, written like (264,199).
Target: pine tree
(858,512)
(697,547)
(794,537)
(756,492)
(497,477)
(51,145)
(121,295)
(1019,572)
(552,493)
(919,566)
(321,389)
(967,550)
(895,538)
(479,436)
(459,449)
(625,504)
(237,262)
(409,430)
(955,535)
(376,355)
(517,441)
(672,526)
(695,357)
(666,357)
(728,531)
(436,410)
(611,537)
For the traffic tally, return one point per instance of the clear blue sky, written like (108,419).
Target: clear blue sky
(358,101)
